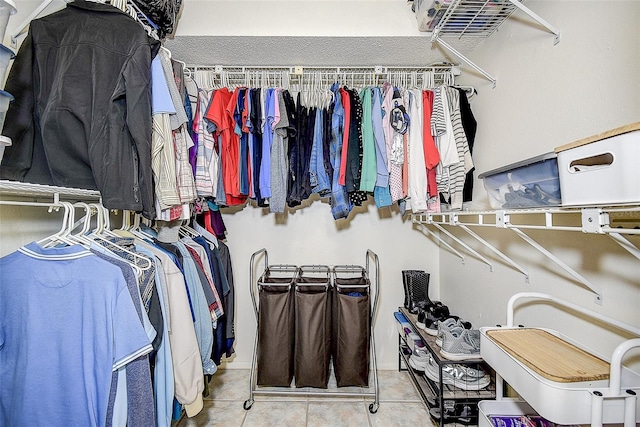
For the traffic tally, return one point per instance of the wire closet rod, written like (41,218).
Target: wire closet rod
(298,70)
(315,76)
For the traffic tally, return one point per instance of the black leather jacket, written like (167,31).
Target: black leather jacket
(82,114)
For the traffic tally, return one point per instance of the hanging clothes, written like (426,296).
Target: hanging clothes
(470,125)
(291,146)
(162,148)
(442,130)
(416,161)
(255,119)
(162,361)
(138,405)
(279,161)
(368,175)
(318,176)
(87,297)
(458,171)
(340,203)
(269,116)
(206,176)
(217,113)
(431,154)
(91,113)
(163,13)
(394,140)
(185,353)
(354,151)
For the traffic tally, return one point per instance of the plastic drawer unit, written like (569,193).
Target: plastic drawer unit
(529,183)
(602,169)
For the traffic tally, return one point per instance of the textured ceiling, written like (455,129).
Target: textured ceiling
(314,51)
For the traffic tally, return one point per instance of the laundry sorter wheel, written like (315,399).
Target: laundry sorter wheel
(373,408)
(247,404)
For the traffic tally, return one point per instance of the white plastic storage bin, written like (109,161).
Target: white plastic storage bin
(5,99)
(402,324)
(429,12)
(494,409)
(6,55)
(414,342)
(5,141)
(601,170)
(531,183)
(7,8)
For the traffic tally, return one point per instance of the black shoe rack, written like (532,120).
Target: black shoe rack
(438,397)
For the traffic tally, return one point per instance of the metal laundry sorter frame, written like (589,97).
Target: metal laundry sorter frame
(281,279)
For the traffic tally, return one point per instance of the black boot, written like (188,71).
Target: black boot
(416,285)
(405,284)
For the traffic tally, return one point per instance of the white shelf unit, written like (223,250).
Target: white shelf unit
(596,402)
(479,18)
(615,222)
(25,194)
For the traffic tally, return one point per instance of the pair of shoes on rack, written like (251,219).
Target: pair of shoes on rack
(430,314)
(461,376)
(447,325)
(459,343)
(457,412)
(435,328)
(419,359)
(416,288)
(416,293)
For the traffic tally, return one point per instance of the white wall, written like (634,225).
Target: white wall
(296,18)
(547,96)
(310,235)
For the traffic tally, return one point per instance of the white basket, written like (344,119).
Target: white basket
(5,141)
(7,8)
(5,99)
(603,172)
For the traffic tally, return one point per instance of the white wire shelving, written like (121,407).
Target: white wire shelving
(25,194)
(477,18)
(619,223)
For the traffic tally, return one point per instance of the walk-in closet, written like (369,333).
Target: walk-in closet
(331,299)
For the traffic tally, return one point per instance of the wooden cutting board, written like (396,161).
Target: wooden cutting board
(550,356)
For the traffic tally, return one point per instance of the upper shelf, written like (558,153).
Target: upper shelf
(477,18)
(22,191)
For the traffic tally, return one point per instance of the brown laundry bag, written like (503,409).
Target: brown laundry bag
(313,335)
(351,333)
(275,336)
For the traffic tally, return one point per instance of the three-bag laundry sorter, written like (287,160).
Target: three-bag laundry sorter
(312,318)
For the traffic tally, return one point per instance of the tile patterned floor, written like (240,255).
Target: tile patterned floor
(400,406)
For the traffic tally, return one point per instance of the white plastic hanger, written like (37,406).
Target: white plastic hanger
(137,231)
(60,237)
(102,231)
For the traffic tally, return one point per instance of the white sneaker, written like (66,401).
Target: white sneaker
(419,359)
(461,344)
(448,324)
(461,376)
